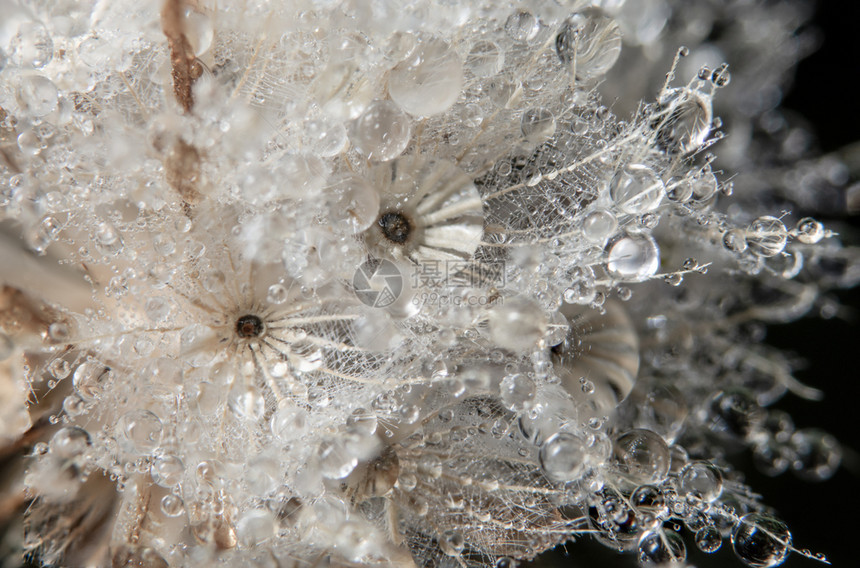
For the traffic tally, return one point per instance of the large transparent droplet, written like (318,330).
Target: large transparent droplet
(637,189)
(485,59)
(641,457)
(522,26)
(517,391)
(36,95)
(382,132)
(766,236)
(761,541)
(139,431)
(537,125)
(32,46)
(661,547)
(90,379)
(683,121)
(588,43)
(633,257)
(702,480)
(562,457)
(429,80)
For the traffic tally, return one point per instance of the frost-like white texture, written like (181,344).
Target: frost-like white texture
(377,282)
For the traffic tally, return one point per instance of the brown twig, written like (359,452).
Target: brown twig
(184,64)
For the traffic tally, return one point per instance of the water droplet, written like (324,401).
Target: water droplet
(735,240)
(562,457)
(637,189)
(817,454)
(167,470)
(139,431)
(633,257)
(599,225)
(429,80)
(683,121)
(485,59)
(356,202)
(107,239)
(452,542)
(661,547)
(277,294)
(36,95)
(518,391)
(172,506)
(336,461)
(522,26)
(708,539)
(382,132)
(809,231)
(641,457)
(90,379)
(69,442)
(247,403)
(702,480)
(761,541)
(589,42)
(766,236)
(289,422)
(537,125)
(32,46)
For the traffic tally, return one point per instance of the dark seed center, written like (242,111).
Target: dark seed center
(249,326)
(395,226)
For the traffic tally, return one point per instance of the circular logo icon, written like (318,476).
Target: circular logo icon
(377,282)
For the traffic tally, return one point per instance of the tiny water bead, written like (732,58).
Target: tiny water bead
(589,43)
(809,231)
(382,132)
(249,326)
(633,257)
(761,540)
(817,455)
(429,80)
(637,189)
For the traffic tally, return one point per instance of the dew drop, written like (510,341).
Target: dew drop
(382,132)
(36,95)
(562,457)
(589,43)
(633,257)
(429,80)
(761,541)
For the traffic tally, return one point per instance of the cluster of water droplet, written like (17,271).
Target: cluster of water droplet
(384,283)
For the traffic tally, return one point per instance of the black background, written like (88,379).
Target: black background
(823,517)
